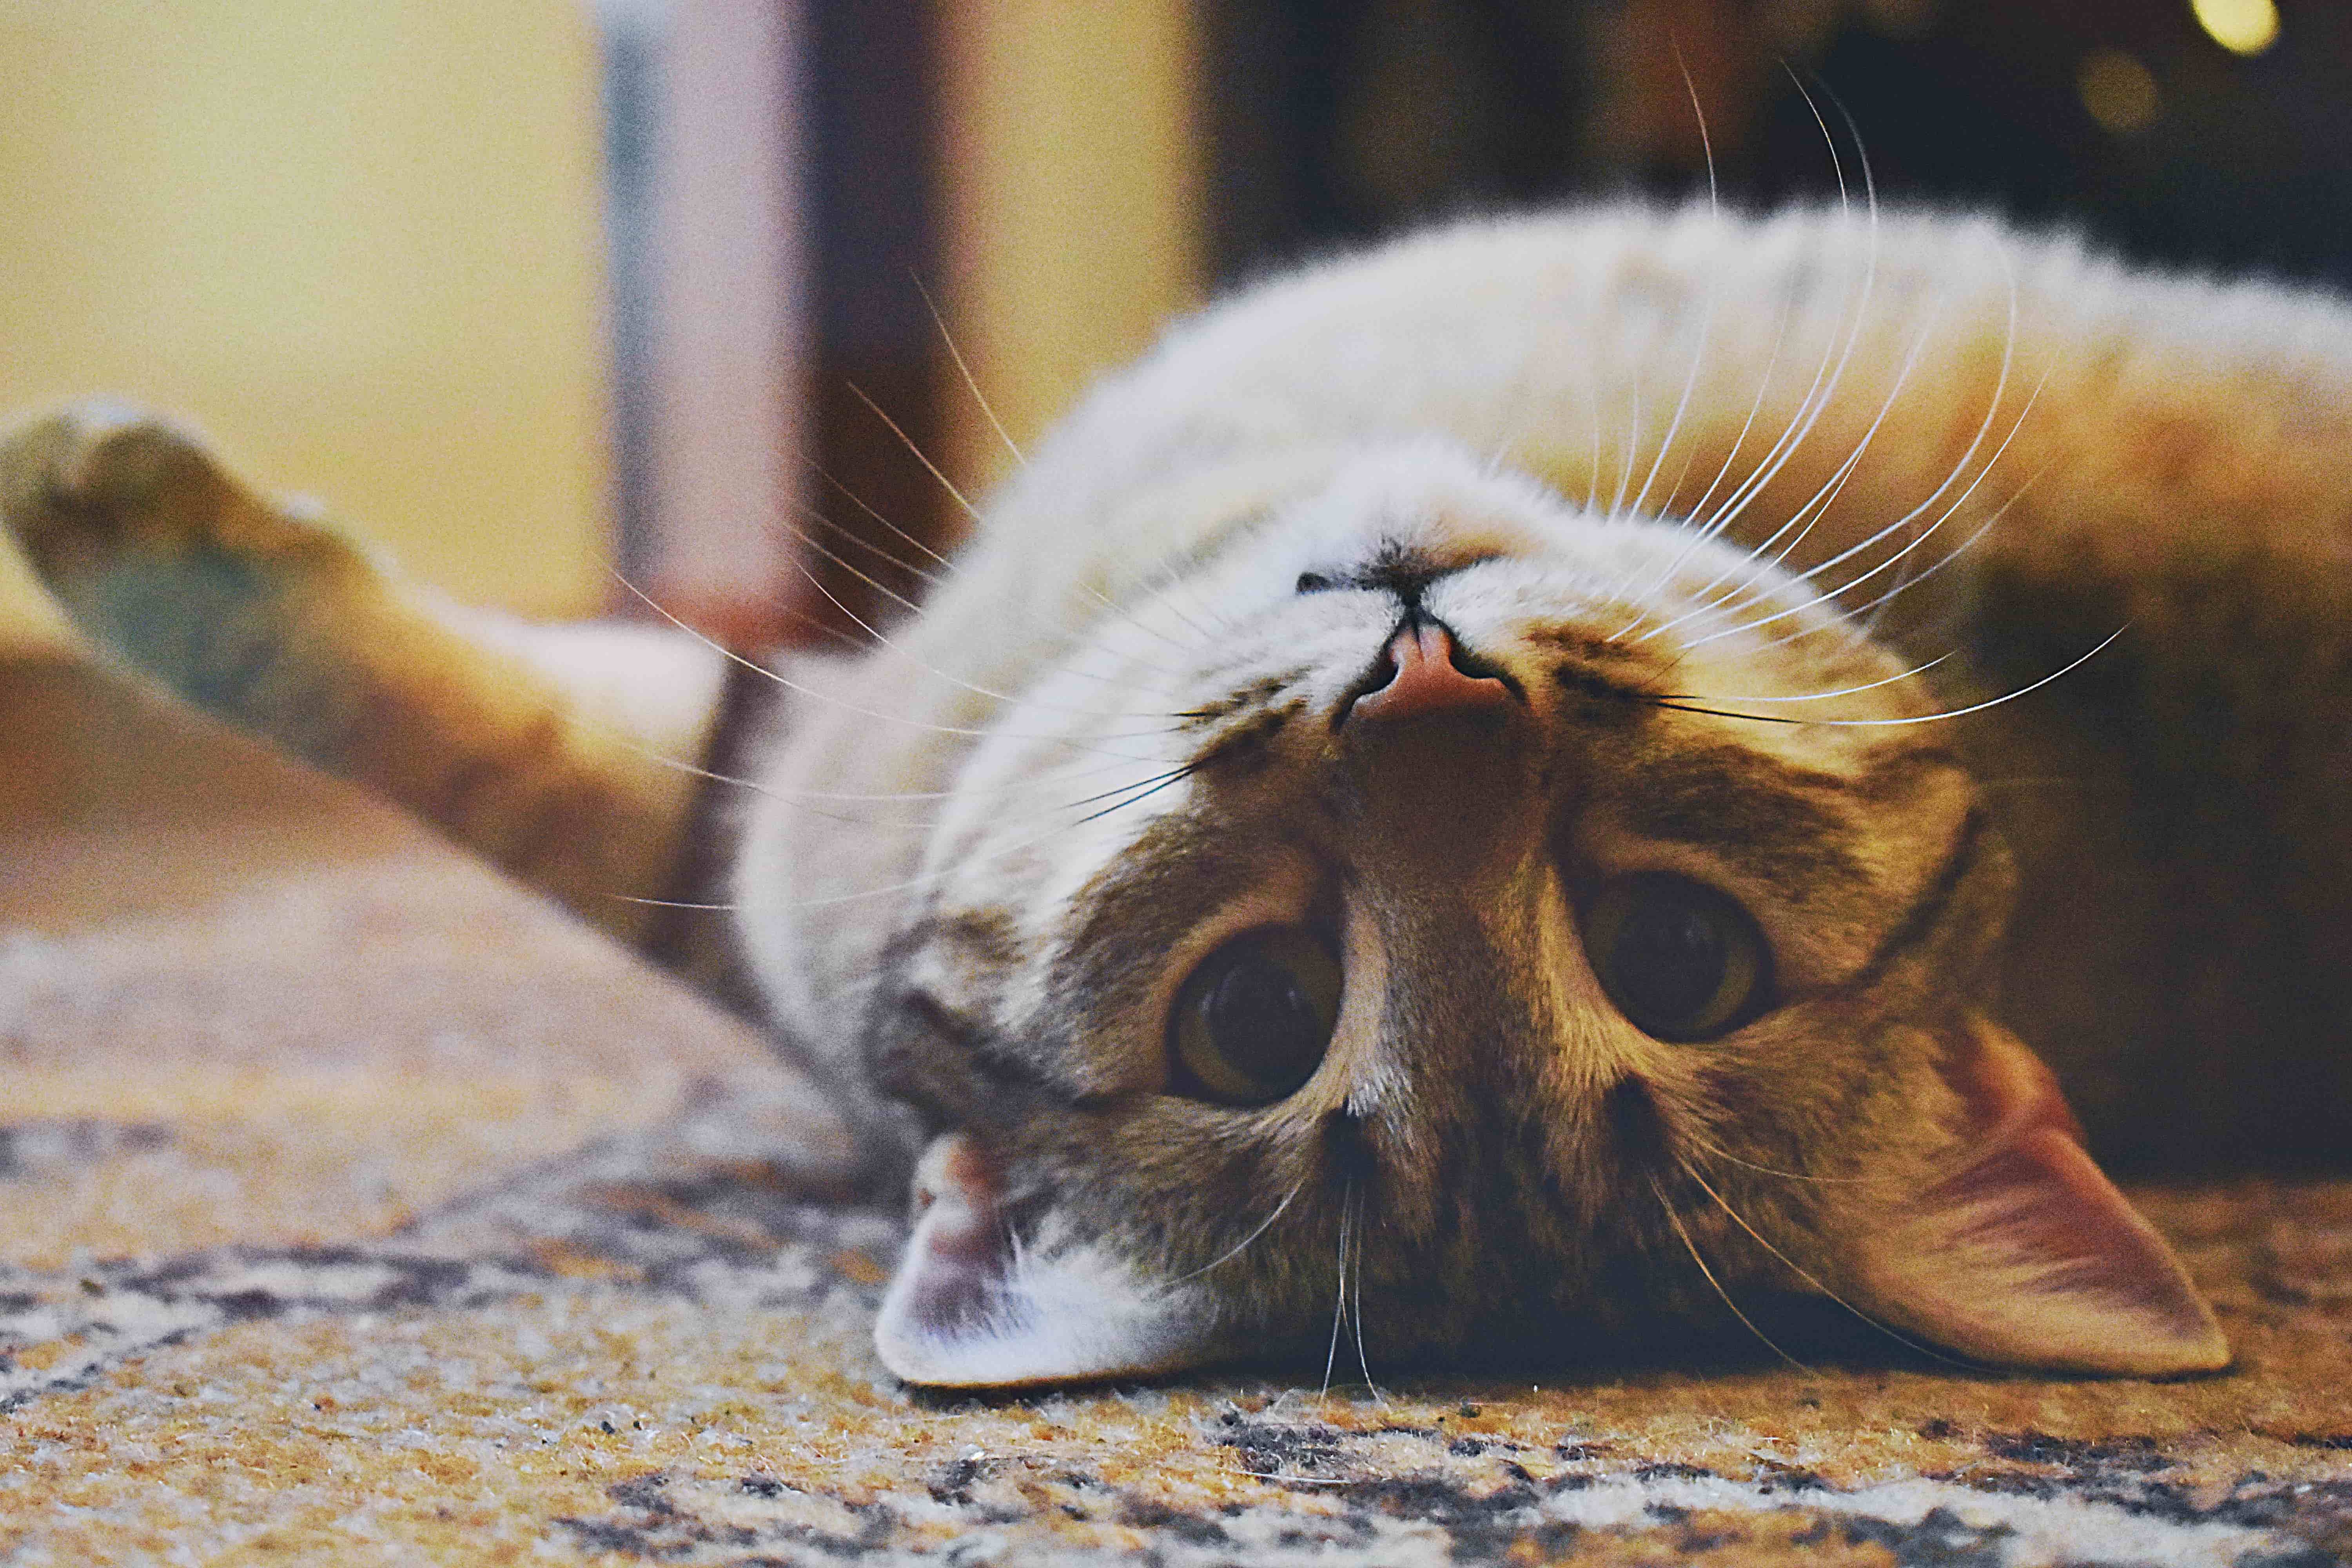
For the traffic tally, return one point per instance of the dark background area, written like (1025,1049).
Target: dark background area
(1328,122)
(1331,122)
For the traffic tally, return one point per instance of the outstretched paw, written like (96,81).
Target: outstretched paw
(103,486)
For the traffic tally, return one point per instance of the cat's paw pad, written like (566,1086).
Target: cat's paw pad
(99,470)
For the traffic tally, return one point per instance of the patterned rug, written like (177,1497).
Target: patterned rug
(354,1207)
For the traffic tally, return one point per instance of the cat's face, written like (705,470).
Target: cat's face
(1445,920)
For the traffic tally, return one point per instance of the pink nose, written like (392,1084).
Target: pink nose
(1426,679)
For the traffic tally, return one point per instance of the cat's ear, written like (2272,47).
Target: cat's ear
(2023,1253)
(975,1306)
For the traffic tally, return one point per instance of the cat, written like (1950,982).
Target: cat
(1531,783)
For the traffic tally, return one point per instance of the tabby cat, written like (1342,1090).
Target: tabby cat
(1539,782)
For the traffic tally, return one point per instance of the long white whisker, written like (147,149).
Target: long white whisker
(1916,669)
(1245,1244)
(1818,397)
(1914,543)
(928,878)
(1706,317)
(1691,1248)
(1806,1276)
(1339,1302)
(2067,669)
(1817,506)
(1356,1291)
(971,382)
(1625,455)
(884,643)
(830,700)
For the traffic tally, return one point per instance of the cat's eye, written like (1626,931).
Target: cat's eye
(1251,1023)
(1680,960)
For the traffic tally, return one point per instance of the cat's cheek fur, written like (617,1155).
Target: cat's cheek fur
(2026,1255)
(974,1306)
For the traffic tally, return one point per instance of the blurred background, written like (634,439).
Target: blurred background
(536,288)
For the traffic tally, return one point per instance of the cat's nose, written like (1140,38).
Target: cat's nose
(1426,675)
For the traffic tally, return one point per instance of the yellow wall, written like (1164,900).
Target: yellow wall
(1073,195)
(356,240)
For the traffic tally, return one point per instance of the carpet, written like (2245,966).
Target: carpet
(357,1207)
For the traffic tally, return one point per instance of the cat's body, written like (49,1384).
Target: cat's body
(1232,874)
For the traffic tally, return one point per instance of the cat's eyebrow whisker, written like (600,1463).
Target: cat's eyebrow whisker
(1825,696)
(1818,397)
(1863,632)
(1706,317)
(1806,1276)
(1816,507)
(1713,1152)
(1984,428)
(2010,696)
(1625,456)
(1691,1247)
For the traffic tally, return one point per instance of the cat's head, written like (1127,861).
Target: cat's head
(1488,924)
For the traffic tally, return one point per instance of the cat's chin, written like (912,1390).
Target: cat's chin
(971,1306)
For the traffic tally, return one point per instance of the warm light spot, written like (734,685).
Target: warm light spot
(2118,91)
(2241,26)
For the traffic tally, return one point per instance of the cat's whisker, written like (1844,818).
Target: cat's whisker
(1141,790)
(1706,317)
(1339,1293)
(1593,470)
(1818,397)
(1827,375)
(1802,1273)
(887,645)
(662,903)
(1690,1246)
(1863,632)
(832,701)
(1904,581)
(1916,669)
(955,493)
(1804,517)
(1984,428)
(949,566)
(971,382)
(1713,1152)
(1625,458)
(973,514)
(946,567)
(1698,535)
(1245,1243)
(1356,1293)
(922,575)
(2062,670)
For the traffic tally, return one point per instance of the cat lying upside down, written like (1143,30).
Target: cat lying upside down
(1475,790)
